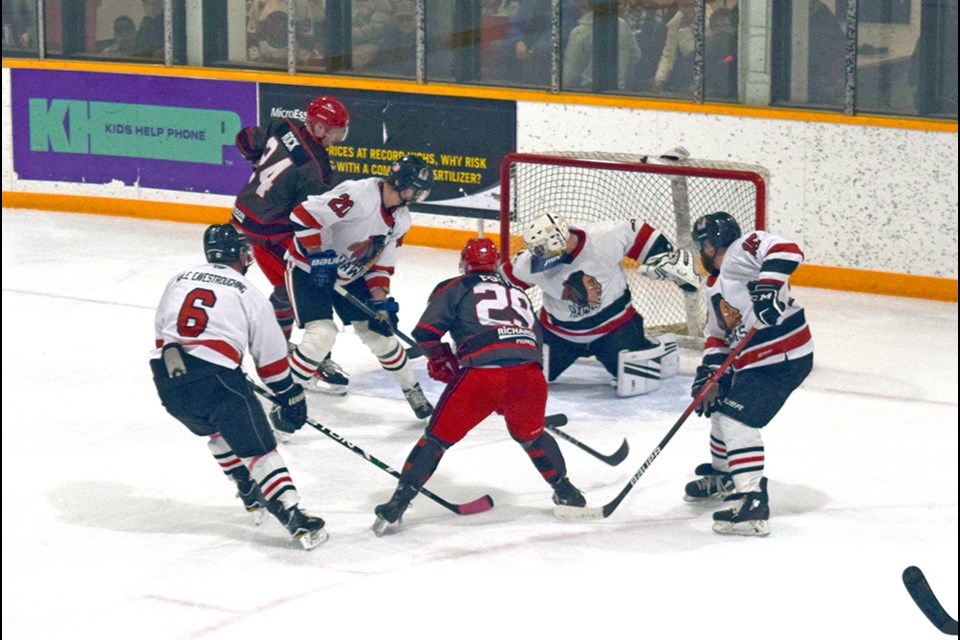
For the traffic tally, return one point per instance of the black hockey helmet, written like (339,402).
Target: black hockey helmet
(719,228)
(224,244)
(411,172)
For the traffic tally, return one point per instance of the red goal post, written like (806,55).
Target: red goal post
(669,192)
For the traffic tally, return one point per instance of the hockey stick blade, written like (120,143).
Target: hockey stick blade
(555,420)
(481,504)
(613,459)
(919,589)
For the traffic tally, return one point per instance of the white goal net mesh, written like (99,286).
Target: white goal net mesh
(668,192)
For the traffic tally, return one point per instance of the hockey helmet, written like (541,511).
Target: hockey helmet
(719,228)
(225,244)
(331,113)
(411,172)
(479,254)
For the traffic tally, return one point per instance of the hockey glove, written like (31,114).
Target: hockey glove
(323,268)
(247,145)
(443,366)
(676,266)
(766,301)
(290,411)
(386,319)
(711,400)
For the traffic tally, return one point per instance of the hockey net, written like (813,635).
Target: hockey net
(668,192)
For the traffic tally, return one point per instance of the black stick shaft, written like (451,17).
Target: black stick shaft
(484,503)
(413,351)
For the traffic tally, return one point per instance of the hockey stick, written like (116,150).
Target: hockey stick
(551,422)
(568,512)
(413,350)
(922,594)
(484,503)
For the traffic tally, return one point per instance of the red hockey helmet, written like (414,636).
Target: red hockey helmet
(479,254)
(329,112)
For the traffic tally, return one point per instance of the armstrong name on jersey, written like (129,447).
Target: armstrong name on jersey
(212,278)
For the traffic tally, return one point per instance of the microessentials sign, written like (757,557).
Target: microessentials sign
(154,132)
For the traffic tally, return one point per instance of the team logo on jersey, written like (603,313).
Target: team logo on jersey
(583,290)
(728,316)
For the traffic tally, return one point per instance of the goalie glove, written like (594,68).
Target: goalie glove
(677,266)
(766,301)
(386,319)
(711,400)
(443,365)
(290,411)
(323,268)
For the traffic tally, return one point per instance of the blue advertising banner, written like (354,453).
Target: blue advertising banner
(463,138)
(148,131)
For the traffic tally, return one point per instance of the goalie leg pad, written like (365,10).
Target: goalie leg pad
(670,362)
(639,372)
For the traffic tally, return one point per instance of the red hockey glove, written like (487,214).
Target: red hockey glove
(444,367)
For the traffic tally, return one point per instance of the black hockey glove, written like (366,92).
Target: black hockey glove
(766,301)
(386,319)
(323,268)
(711,400)
(247,145)
(290,411)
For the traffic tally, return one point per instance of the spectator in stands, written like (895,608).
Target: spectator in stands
(371,21)
(267,28)
(578,54)
(19,25)
(720,56)
(150,36)
(398,49)
(649,29)
(827,48)
(124,38)
(675,70)
(526,57)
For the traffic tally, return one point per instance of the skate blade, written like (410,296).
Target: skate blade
(320,386)
(258,515)
(747,528)
(381,526)
(313,539)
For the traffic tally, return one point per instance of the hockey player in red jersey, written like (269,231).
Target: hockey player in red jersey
(290,163)
(351,236)
(748,283)
(587,307)
(498,353)
(207,318)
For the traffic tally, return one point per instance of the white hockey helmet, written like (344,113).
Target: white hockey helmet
(546,235)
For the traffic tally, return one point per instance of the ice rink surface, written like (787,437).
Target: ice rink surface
(117,523)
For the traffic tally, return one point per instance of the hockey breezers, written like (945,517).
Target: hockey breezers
(567,512)
(551,422)
(413,350)
(484,503)
(922,594)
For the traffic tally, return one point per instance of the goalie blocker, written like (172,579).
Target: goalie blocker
(640,372)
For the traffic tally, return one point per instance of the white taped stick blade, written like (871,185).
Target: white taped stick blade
(567,512)
(638,372)
(670,361)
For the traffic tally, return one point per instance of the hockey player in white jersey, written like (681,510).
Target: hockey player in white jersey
(587,307)
(748,283)
(351,235)
(206,320)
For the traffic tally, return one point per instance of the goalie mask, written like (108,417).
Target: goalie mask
(225,244)
(546,240)
(479,254)
(411,172)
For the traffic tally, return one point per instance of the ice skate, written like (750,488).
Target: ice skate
(390,513)
(330,378)
(306,529)
(712,484)
(418,402)
(748,516)
(253,501)
(564,493)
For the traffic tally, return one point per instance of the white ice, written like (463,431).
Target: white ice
(117,523)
